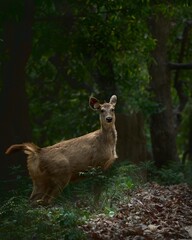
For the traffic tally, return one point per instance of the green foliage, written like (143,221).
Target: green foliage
(170,176)
(188,172)
(92,47)
(119,181)
(183,134)
(106,47)
(12,10)
(86,47)
(77,203)
(174,173)
(20,221)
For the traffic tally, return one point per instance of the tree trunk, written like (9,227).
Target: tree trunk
(131,143)
(15,124)
(190,137)
(162,128)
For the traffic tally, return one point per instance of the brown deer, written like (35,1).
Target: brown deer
(52,168)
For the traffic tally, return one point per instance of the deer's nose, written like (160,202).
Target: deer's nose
(109,119)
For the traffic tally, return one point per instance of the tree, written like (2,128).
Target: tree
(17,43)
(163,134)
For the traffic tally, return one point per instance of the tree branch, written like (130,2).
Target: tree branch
(180,66)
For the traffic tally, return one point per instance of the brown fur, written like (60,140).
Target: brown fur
(52,168)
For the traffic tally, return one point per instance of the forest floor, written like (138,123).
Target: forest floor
(153,212)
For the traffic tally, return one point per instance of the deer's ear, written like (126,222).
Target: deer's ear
(94,103)
(113,100)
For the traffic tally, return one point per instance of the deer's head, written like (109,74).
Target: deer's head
(106,110)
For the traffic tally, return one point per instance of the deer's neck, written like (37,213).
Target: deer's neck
(109,138)
(109,133)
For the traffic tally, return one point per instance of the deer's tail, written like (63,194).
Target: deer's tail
(27,148)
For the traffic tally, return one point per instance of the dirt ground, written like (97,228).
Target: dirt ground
(153,212)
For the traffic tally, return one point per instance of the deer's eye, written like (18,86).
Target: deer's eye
(112,109)
(102,110)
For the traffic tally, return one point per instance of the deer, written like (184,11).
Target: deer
(51,168)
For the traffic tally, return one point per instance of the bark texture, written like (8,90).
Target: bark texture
(162,127)
(15,124)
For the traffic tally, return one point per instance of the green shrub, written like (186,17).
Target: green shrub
(100,192)
(20,221)
(174,173)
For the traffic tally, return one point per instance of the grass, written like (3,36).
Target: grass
(20,221)
(99,193)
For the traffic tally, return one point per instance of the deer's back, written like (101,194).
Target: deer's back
(77,153)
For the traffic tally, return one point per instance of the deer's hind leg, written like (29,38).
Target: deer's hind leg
(40,188)
(51,194)
(36,193)
(55,188)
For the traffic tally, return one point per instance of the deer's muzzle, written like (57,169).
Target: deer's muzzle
(109,119)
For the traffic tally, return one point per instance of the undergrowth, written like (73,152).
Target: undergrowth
(99,193)
(20,221)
